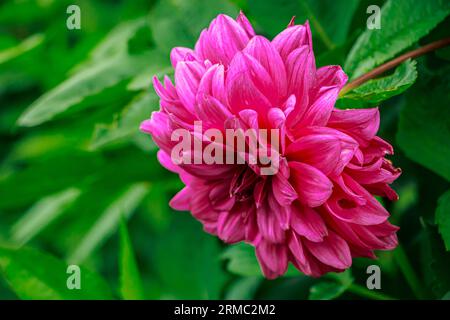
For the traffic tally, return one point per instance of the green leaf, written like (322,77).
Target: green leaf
(403,22)
(377,90)
(329,19)
(23,47)
(107,223)
(42,214)
(37,275)
(130,278)
(243,288)
(424,124)
(242,261)
(443,218)
(178,23)
(187,261)
(328,290)
(127,124)
(88,82)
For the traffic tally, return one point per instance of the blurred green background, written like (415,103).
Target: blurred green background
(80,184)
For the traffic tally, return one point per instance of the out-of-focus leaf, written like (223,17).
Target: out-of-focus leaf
(329,19)
(242,261)
(23,47)
(243,288)
(328,290)
(157,68)
(187,261)
(41,214)
(424,125)
(108,221)
(403,22)
(443,218)
(377,90)
(36,275)
(435,261)
(87,82)
(130,278)
(178,23)
(128,122)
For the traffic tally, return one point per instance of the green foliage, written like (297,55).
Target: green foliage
(36,275)
(130,279)
(443,218)
(79,181)
(377,90)
(403,22)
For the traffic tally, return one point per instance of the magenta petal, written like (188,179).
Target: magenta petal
(229,227)
(223,39)
(262,50)
(213,83)
(245,24)
(181,200)
(269,224)
(272,258)
(307,222)
(292,38)
(332,251)
(180,54)
(187,79)
(247,83)
(283,191)
(313,187)
(362,124)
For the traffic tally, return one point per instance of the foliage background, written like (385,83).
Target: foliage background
(80,184)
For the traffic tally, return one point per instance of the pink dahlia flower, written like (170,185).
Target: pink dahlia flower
(319,210)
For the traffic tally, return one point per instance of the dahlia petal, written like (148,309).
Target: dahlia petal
(272,258)
(245,24)
(297,250)
(213,83)
(212,112)
(229,227)
(300,66)
(247,82)
(331,76)
(269,225)
(332,251)
(361,124)
(180,54)
(187,79)
(292,38)
(308,223)
(283,191)
(181,200)
(313,187)
(262,50)
(223,39)
(319,112)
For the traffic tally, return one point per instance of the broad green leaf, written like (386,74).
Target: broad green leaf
(443,218)
(130,278)
(88,82)
(243,288)
(37,275)
(177,23)
(23,47)
(377,90)
(403,22)
(242,261)
(127,124)
(42,214)
(435,260)
(424,124)
(108,222)
(329,19)
(187,261)
(328,290)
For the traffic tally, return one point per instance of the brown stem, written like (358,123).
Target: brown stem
(395,62)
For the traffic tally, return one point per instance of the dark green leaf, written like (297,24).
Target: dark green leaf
(443,218)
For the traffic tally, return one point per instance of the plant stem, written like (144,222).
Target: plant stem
(405,266)
(395,62)
(371,294)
